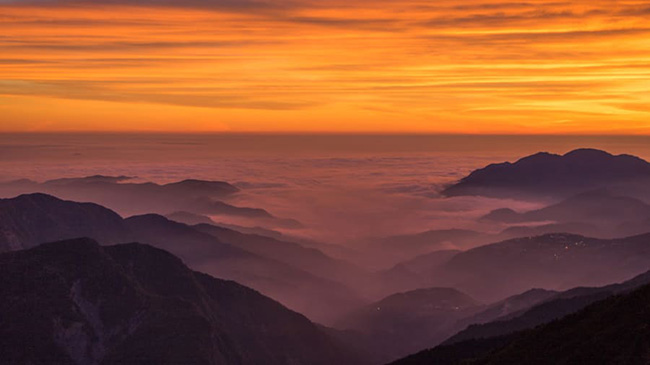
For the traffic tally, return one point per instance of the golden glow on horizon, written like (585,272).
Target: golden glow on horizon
(345,66)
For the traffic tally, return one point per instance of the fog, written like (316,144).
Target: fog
(329,225)
(342,188)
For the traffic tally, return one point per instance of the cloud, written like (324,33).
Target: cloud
(222,5)
(128,46)
(338,65)
(82,90)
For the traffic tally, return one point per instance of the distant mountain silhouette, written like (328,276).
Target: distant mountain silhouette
(415,320)
(388,251)
(211,206)
(194,219)
(499,311)
(602,212)
(189,218)
(482,328)
(129,198)
(32,219)
(603,329)
(414,273)
(584,229)
(255,230)
(308,259)
(598,206)
(321,298)
(405,322)
(216,207)
(135,198)
(553,261)
(189,187)
(75,302)
(545,175)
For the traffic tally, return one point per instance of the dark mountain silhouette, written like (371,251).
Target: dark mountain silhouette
(415,273)
(195,187)
(405,322)
(424,265)
(188,188)
(415,323)
(342,252)
(189,218)
(501,310)
(32,219)
(504,215)
(28,220)
(463,353)
(308,259)
(136,198)
(180,239)
(211,206)
(216,207)
(613,331)
(584,229)
(261,231)
(546,175)
(75,302)
(552,307)
(420,327)
(602,211)
(319,298)
(554,261)
(87,179)
(130,198)
(610,331)
(194,219)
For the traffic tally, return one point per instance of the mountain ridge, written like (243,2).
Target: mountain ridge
(47,218)
(545,175)
(88,303)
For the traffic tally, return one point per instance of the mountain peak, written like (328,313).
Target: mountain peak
(113,304)
(588,152)
(31,219)
(545,175)
(35,196)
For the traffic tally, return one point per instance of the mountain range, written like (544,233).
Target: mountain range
(77,290)
(550,176)
(581,326)
(123,195)
(31,219)
(403,323)
(76,302)
(600,213)
(553,261)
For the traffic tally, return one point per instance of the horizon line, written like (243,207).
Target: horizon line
(322,133)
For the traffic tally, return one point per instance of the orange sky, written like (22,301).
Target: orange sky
(473,66)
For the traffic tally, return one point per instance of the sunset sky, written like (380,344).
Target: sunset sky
(474,66)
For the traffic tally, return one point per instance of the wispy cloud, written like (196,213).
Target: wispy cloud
(447,66)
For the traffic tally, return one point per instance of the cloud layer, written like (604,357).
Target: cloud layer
(448,66)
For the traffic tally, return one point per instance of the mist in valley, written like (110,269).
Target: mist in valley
(392,245)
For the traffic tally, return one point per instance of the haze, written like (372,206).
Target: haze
(342,187)
(315,182)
